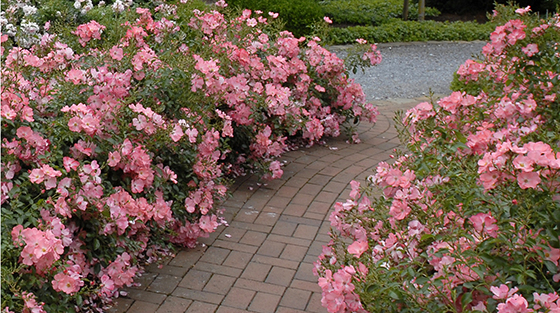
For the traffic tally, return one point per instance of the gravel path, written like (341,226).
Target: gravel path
(410,70)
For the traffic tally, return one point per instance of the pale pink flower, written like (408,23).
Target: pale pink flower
(227,131)
(70,164)
(140,122)
(319,88)
(116,53)
(251,22)
(522,11)
(502,292)
(515,304)
(528,180)
(74,124)
(137,186)
(75,76)
(531,49)
(355,186)
(327,19)
(276,169)
(90,124)
(69,283)
(553,255)
(36,176)
(523,163)
(50,183)
(208,223)
(489,179)
(31,305)
(27,114)
(485,223)
(24,132)
(358,247)
(176,133)
(399,209)
(114,158)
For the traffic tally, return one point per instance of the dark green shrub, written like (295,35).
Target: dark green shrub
(403,31)
(467,6)
(298,16)
(369,12)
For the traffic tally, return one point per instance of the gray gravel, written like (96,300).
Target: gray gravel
(411,70)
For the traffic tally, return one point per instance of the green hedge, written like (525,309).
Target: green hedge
(298,16)
(369,12)
(464,6)
(403,31)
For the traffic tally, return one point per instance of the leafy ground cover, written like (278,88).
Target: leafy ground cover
(468,219)
(122,127)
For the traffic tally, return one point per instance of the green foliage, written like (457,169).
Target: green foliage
(298,16)
(404,31)
(369,12)
(464,6)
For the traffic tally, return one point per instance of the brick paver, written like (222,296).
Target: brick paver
(263,261)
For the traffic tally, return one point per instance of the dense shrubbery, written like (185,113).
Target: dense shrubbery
(369,12)
(404,31)
(468,220)
(119,137)
(465,6)
(298,16)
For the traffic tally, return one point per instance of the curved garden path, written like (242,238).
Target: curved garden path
(262,262)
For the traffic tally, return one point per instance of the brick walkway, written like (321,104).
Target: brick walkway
(263,261)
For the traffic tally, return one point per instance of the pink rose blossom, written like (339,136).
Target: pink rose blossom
(251,22)
(358,247)
(116,53)
(485,223)
(176,133)
(522,11)
(68,283)
(531,49)
(528,180)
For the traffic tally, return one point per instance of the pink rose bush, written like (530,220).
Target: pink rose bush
(119,139)
(468,217)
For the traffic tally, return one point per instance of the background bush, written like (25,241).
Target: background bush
(469,6)
(298,16)
(369,12)
(404,31)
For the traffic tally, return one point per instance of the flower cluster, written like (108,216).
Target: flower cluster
(468,218)
(118,142)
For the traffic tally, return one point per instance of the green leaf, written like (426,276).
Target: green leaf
(466,299)
(556,215)
(393,295)
(96,244)
(480,271)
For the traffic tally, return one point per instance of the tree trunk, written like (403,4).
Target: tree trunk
(421,9)
(405,10)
